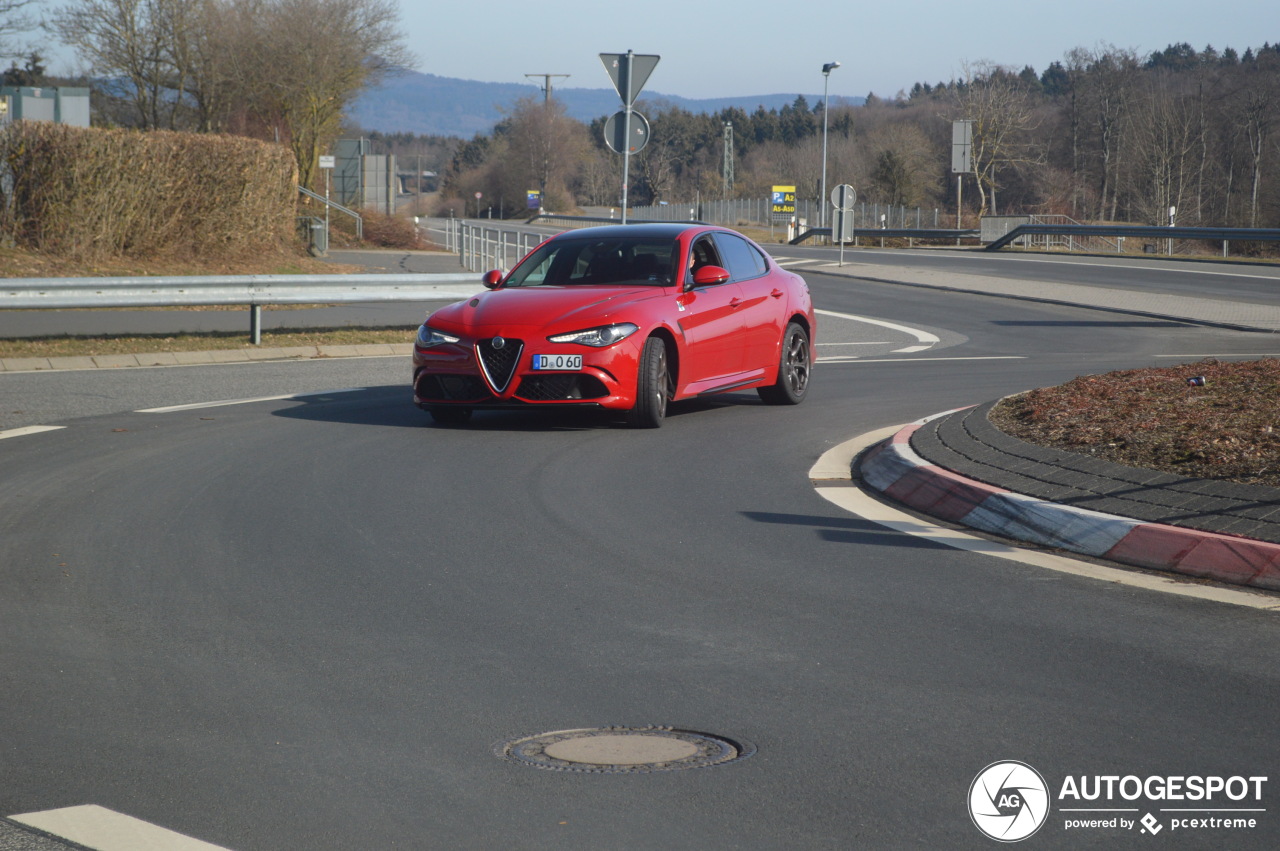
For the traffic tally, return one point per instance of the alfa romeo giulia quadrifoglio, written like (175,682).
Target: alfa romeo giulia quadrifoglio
(626,318)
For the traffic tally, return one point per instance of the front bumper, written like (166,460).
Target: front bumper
(472,374)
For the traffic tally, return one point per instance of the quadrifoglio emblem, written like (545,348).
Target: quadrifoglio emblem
(1009,801)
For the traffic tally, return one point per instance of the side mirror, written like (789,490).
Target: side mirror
(709,276)
(492,279)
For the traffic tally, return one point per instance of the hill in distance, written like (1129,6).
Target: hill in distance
(414,102)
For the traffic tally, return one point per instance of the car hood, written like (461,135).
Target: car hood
(541,307)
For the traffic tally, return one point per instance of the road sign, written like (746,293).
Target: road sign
(961,146)
(784,201)
(842,230)
(615,132)
(326,161)
(629,72)
(843,197)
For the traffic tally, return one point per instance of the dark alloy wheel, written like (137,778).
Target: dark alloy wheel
(450,416)
(793,370)
(653,387)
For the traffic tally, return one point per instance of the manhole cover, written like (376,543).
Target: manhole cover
(623,750)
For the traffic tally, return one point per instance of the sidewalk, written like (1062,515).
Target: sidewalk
(204,358)
(1256,315)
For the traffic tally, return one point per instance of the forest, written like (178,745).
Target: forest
(1102,135)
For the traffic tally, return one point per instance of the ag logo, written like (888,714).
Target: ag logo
(1008,801)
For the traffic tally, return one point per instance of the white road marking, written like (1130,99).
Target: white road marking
(835,465)
(924,338)
(106,830)
(873,343)
(856,359)
(225,402)
(19,432)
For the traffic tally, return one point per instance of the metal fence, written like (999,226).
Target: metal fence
(484,246)
(757,211)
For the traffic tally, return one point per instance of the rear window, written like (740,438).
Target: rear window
(619,261)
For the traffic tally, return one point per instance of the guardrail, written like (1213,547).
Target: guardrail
(1226,235)
(253,291)
(894,233)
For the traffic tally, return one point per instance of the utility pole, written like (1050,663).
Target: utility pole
(726,170)
(546,84)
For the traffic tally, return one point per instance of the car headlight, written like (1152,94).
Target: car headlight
(605,335)
(428,337)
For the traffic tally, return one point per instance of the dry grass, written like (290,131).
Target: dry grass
(1229,428)
(25,263)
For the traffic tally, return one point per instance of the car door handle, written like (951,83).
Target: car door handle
(777,293)
(736,302)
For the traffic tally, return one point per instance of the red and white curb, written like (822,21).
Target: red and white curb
(895,470)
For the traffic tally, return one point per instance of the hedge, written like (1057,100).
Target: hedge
(93,193)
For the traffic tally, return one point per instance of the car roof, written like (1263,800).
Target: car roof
(668,230)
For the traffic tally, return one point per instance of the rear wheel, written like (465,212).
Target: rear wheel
(793,370)
(450,416)
(653,387)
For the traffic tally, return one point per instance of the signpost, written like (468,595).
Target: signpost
(629,72)
(961,158)
(843,197)
(326,163)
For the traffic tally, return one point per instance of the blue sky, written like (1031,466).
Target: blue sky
(711,48)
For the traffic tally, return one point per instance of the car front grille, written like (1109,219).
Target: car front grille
(564,387)
(499,358)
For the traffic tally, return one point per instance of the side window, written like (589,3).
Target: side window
(744,261)
(703,253)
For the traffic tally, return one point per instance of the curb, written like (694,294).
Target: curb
(203,358)
(894,469)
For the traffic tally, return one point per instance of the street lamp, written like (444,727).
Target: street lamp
(822,199)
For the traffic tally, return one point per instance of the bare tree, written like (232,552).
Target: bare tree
(1107,88)
(1162,145)
(13,20)
(1002,111)
(149,43)
(1256,103)
(546,146)
(300,63)
(902,170)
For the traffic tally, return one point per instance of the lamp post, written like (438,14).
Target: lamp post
(822,199)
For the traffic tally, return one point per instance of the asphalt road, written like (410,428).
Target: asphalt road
(309,622)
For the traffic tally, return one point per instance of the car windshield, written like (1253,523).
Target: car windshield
(616,261)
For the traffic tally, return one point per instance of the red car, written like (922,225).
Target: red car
(627,318)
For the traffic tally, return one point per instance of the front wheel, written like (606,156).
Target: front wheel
(653,387)
(793,370)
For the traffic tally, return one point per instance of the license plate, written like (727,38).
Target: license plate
(558,363)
